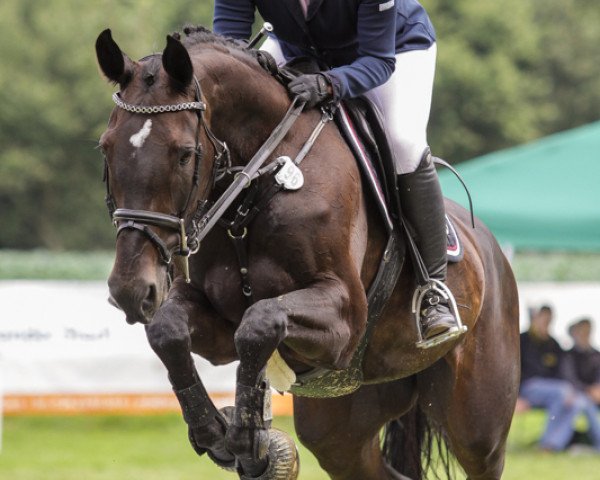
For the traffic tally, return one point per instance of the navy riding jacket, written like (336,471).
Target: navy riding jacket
(358,39)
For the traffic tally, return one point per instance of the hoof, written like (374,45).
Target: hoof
(229,463)
(284,462)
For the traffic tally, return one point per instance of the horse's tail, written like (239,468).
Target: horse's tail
(415,447)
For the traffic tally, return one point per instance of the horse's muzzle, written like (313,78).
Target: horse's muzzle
(138,301)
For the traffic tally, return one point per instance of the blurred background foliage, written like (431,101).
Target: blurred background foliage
(508,72)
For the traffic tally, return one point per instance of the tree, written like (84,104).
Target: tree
(54,106)
(570,35)
(508,72)
(487,94)
(512,71)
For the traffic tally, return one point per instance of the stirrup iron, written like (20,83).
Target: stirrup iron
(441,289)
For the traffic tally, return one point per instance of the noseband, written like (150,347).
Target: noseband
(141,220)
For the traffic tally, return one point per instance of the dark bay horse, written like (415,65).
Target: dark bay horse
(312,254)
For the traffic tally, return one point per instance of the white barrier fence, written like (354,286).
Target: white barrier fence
(63,348)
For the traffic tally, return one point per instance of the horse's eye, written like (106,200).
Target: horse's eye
(185,157)
(102,150)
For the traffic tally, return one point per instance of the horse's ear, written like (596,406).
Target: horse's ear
(177,63)
(115,65)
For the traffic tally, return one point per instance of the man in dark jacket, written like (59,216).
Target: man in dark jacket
(585,359)
(385,50)
(547,382)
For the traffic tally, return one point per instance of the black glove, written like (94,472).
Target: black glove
(313,89)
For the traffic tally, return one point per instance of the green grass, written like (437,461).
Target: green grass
(111,448)
(42,264)
(156,448)
(557,267)
(45,265)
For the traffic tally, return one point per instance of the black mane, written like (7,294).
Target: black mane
(197,34)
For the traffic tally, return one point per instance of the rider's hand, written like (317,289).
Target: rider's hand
(313,89)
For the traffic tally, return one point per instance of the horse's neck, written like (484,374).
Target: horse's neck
(245,105)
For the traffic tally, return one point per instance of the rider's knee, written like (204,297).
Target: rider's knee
(407,151)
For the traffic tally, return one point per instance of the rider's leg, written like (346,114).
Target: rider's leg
(423,206)
(405,101)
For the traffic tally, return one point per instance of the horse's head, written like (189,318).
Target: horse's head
(159,158)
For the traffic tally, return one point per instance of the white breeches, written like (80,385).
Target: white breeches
(404,101)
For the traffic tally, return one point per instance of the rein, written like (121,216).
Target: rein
(202,221)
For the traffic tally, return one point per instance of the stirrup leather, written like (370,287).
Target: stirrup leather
(441,289)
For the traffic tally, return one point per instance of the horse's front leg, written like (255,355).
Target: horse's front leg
(322,324)
(170,338)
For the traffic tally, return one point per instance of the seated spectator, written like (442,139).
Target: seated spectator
(585,359)
(545,383)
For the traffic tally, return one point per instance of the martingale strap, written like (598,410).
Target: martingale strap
(250,207)
(245,177)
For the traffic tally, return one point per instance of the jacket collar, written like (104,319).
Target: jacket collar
(296,10)
(313,7)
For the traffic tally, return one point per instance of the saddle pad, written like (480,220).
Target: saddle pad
(365,163)
(371,176)
(454,248)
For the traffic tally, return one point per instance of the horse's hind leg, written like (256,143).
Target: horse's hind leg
(343,433)
(472,393)
(169,336)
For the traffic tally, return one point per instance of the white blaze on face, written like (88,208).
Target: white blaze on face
(138,139)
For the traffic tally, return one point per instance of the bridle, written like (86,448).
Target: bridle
(206,215)
(142,220)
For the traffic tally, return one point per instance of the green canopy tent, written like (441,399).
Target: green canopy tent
(540,196)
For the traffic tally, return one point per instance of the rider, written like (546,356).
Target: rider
(386,51)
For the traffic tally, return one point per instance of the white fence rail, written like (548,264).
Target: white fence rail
(63,347)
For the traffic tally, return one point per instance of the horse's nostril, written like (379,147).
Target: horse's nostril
(149,303)
(113,302)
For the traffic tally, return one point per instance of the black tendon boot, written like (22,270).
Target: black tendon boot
(422,204)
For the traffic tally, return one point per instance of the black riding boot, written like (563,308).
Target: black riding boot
(422,204)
